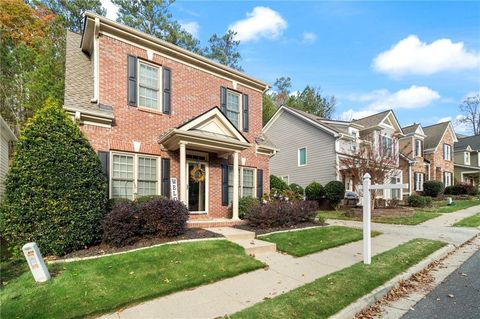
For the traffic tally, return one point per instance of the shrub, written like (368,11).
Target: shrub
(282,213)
(314,191)
(278,183)
(245,205)
(122,226)
(144,199)
(297,189)
(419,201)
(463,188)
(335,192)
(56,191)
(164,217)
(114,202)
(448,190)
(433,188)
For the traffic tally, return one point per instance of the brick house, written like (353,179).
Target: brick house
(158,114)
(427,154)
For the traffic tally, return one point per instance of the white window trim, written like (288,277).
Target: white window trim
(286,179)
(450,176)
(135,171)
(419,181)
(240,181)
(160,79)
(240,108)
(467,156)
(447,152)
(418,142)
(298,156)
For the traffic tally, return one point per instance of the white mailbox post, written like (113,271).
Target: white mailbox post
(367,214)
(35,262)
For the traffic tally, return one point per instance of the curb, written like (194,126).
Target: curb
(366,301)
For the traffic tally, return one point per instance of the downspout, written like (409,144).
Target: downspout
(96,62)
(409,179)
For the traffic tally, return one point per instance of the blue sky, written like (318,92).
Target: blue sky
(419,58)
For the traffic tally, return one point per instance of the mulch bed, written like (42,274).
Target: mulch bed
(397,212)
(102,249)
(261,231)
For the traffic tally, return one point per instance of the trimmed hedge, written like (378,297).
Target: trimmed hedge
(297,189)
(56,192)
(461,188)
(245,205)
(335,192)
(164,217)
(433,188)
(123,225)
(278,184)
(314,191)
(419,201)
(280,213)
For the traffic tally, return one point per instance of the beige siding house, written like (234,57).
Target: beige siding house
(6,136)
(467,160)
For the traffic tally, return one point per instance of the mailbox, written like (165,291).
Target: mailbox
(35,262)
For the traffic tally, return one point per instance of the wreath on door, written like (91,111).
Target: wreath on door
(197,174)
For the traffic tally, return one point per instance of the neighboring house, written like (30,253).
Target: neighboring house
(467,160)
(154,111)
(438,151)
(6,136)
(311,147)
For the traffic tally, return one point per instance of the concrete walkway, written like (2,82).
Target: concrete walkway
(448,219)
(284,274)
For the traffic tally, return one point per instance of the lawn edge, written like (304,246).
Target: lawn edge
(378,293)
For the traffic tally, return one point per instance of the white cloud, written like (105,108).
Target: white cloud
(112,10)
(412,56)
(444,119)
(309,37)
(191,27)
(380,100)
(262,22)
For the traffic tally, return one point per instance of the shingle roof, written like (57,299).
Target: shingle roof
(316,118)
(472,141)
(434,134)
(79,79)
(410,129)
(372,120)
(263,140)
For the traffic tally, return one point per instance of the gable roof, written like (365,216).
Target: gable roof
(465,142)
(410,129)
(372,120)
(435,134)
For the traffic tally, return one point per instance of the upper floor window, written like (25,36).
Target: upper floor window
(467,158)
(418,147)
(418,179)
(387,146)
(233,107)
(302,156)
(149,85)
(447,152)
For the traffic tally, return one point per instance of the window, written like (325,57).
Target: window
(418,180)
(149,86)
(246,182)
(387,146)
(233,108)
(286,179)
(134,174)
(302,156)
(447,152)
(467,158)
(418,147)
(447,179)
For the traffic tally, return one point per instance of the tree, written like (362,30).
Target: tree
(470,109)
(224,50)
(153,17)
(72,12)
(268,108)
(55,191)
(282,88)
(311,100)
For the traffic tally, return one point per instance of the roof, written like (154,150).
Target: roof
(4,128)
(318,119)
(410,129)
(264,141)
(434,134)
(79,79)
(372,120)
(472,141)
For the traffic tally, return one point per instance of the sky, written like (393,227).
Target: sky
(421,59)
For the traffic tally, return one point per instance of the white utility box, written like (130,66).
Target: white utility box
(35,262)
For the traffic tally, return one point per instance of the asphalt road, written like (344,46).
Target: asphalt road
(458,296)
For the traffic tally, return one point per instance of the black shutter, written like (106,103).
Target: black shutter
(167,90)
(223,100)
(259,183)
(105,161)
(245,113)
(132,80)
(166,177)
(224,185)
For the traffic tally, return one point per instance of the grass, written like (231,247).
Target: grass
(100,285)
(472,221)
(303,242)
(415,219)
(328,295)
(442,207)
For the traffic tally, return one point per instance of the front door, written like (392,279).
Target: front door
(197,179)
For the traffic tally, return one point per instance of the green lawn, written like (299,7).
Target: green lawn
(303,242)
(100,285)
(417,218)
(442,207)
(472,221)
(328,295)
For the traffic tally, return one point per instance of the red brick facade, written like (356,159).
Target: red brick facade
(193,92)
(437,164)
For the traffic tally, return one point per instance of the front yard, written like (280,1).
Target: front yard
(328,295)
(472,221)
(88,287)
(303,242)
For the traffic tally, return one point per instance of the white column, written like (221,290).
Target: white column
(183,176)
(235,186)
(367,243)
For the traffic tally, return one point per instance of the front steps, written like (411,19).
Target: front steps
(246,239)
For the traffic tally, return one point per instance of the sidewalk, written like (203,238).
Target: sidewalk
(283,274)
(448,219)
